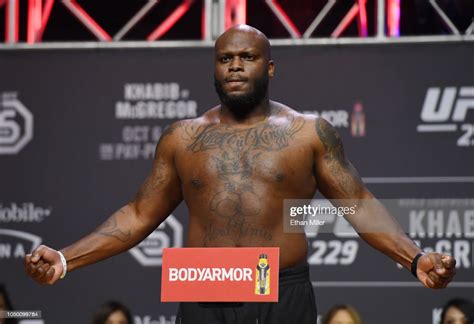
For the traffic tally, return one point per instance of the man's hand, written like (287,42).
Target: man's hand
(436,270)
(44,265)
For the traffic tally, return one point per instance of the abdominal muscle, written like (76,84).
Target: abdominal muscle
(242,232)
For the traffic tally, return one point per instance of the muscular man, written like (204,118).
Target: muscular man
(234,166)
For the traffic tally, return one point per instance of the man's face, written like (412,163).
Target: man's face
(454,316)
(117,317)
(242,70)
(342,317)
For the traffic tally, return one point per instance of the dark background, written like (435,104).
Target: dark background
(72,95)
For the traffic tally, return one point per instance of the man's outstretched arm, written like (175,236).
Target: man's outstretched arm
(338,179)
(156,199)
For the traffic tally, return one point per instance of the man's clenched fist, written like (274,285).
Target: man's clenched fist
(44,265)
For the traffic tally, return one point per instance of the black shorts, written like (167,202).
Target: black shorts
(296,305)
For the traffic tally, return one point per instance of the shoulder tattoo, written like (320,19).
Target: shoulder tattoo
(331,140)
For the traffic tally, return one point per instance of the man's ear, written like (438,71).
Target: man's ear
(271,68)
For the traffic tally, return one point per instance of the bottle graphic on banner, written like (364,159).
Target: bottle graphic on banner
(358,120)
(262,281)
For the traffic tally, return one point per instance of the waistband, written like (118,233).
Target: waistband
(288,276)
(294,275)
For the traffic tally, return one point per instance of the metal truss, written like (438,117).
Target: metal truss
(39,11)
(448,22)
(358,10)
(217,16)
(388,14)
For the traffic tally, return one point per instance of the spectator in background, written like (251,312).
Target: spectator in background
(5,305)
(112,312)
(342,314)
(458,311)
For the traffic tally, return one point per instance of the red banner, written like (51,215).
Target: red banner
(220,274)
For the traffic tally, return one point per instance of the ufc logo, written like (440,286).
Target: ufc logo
(16,124)
(439,105)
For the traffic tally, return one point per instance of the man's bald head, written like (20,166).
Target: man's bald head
(242,69)
(244,35)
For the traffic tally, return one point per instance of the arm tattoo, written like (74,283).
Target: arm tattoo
(331,141)
(171,129)
(157,178)
(110,228)
(347,182)
(153,182)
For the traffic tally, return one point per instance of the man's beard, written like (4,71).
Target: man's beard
(241,105)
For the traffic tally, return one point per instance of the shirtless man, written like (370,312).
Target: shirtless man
(234,166)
